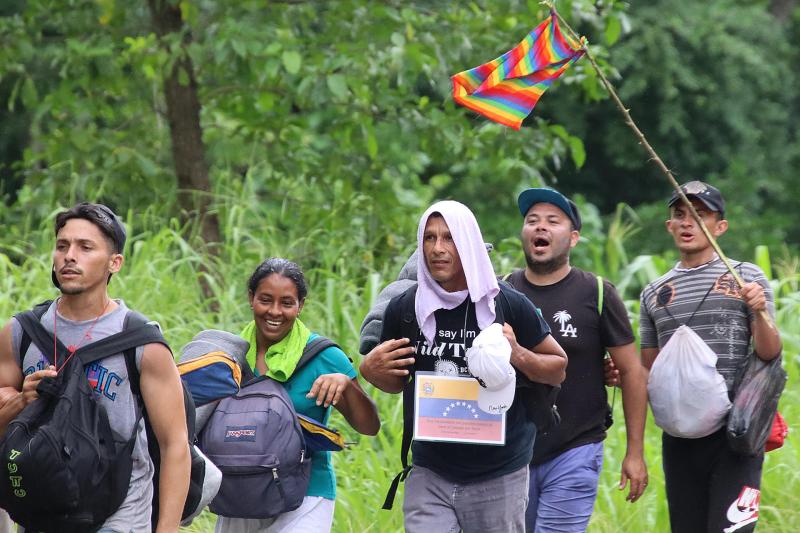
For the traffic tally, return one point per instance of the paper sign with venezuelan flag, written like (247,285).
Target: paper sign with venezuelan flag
(446,410)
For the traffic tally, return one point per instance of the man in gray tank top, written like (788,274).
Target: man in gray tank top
(89,242)
(709,487)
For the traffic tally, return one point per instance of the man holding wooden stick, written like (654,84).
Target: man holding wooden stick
(709,487)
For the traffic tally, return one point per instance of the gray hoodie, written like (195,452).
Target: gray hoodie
(373,322)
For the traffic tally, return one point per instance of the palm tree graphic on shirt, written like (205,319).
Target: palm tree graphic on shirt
(563,317)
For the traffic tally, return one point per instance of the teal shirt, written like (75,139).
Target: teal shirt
(330,361)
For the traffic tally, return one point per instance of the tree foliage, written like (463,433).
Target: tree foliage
(350,95)
(352,98)
(707,83)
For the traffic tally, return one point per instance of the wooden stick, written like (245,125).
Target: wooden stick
(652,153)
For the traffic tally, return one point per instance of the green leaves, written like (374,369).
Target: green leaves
(577,151)
(575,144)
(613,30)
(292,61)
(705,82)
(348,90)
(337,84)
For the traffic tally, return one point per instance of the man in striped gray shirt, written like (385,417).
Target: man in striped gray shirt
(709,487)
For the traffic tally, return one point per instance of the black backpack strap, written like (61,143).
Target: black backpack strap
(502,312)
(136,326)
(410,330)
(135,320)
(135,377)
(127,339)
(25,342)
(313,349)
(40,337)
(547,394)
(405,446)
(310,351)
(122,342)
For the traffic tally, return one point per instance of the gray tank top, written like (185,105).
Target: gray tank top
(109,378)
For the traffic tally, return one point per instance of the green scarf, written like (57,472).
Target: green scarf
(281,357)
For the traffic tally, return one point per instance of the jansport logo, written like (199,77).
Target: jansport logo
(744,510)
(240,434)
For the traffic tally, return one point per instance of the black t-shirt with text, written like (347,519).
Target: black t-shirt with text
(455,330)
(570,308)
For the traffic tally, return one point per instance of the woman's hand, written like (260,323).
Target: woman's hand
(328,388)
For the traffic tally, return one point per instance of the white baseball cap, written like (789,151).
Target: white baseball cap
(489,361)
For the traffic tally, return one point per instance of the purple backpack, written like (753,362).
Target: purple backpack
(255,439)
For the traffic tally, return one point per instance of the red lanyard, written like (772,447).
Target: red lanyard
(72,348)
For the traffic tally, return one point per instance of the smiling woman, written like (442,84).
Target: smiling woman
(276,302)
(277,291)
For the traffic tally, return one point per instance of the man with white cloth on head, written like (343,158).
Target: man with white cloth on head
(459,486)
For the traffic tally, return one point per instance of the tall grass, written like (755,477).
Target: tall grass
(346,266)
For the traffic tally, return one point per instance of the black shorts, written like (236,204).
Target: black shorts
(710,488)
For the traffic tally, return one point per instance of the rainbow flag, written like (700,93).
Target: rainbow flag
(506,89)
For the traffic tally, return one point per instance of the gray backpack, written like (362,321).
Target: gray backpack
(255,439)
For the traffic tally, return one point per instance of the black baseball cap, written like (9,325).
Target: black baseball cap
(708,194)
(529,197)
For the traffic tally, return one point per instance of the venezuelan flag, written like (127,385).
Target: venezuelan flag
(506,90)
(447,410)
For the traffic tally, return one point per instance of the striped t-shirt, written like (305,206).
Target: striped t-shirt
(708,300)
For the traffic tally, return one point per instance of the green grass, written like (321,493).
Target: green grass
(161,279)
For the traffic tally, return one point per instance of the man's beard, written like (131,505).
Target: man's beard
(546,267)
(71,291)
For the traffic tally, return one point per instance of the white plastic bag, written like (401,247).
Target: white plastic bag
(688,396)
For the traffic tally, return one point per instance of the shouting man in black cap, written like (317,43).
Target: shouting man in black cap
(709,487)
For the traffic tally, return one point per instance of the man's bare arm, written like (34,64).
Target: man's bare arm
(163,397)
(546,363)
(766,338)
(634,404)
(648,358)
(16,392)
